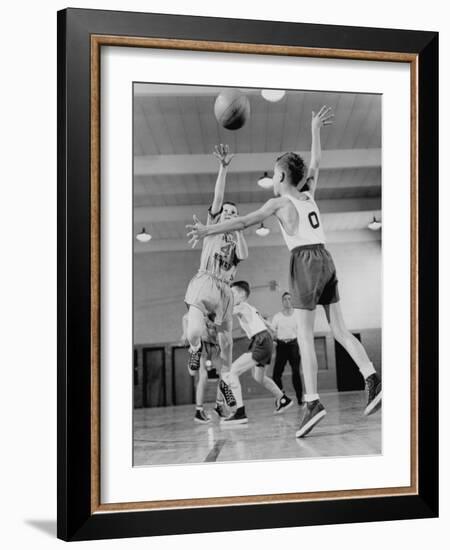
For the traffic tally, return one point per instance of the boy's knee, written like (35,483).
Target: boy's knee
(227,338)
(225,347)
(225,342)
(258,374)
(193,332)
(233,380)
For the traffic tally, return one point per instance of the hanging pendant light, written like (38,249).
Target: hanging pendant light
(262,231)
(374,225)
(143,236)
(273,95)
(265,181)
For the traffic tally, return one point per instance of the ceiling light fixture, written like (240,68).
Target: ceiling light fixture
(143,236)
(265,181)
(273,95)
(374,225)
(262,230)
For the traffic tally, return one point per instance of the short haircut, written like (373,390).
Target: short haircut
(287,293)
(243,285)
(294,167)
(232,204)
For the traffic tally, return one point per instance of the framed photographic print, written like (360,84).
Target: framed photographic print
(247,253)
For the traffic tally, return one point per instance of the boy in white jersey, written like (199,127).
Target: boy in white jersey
(209,290)
(313,279)
(257,358)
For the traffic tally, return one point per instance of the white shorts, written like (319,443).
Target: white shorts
(210,295)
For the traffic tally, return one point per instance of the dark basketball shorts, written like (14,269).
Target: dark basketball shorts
(261,346)
(312,277)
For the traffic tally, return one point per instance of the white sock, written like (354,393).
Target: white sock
(311,397)
(367,370)
(195,348)
(235,386)
(270,385)
(219,397)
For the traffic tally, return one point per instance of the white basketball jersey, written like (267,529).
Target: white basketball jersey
(249,318)
(219,252)
(309,230)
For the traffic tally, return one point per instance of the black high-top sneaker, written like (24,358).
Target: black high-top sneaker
(225,390)
(201,417)
(220,410)
(239,417)
(194,359)
(373,384)
(282,404)
(315,411)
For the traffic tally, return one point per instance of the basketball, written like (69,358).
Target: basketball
(232,109)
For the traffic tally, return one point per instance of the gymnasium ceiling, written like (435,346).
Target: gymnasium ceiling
(174,171)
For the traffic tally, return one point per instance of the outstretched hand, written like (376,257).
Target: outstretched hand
(222,152)
(197,231)
(323,118)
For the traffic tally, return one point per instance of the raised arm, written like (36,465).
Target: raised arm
(323,118)
(222,152)
(199,231)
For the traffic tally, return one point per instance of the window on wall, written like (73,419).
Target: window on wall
(154,377)
(135,368)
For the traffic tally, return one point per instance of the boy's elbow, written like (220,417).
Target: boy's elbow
(315,163)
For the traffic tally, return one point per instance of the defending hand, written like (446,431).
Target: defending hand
(323,118)
(197,231)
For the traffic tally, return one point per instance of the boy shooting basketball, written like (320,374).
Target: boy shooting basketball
(312,274)
(257,358)
(209,290)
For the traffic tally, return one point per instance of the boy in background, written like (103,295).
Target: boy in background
(257,358)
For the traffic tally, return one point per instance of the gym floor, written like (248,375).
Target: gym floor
(169,435)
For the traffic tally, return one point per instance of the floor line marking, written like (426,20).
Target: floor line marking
(215,451)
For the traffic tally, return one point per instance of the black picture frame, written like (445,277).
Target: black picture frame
(76,519)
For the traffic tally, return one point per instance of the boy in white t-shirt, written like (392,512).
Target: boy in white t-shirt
(284,324)
(258,356)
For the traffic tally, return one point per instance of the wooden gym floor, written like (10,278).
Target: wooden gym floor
(169,435)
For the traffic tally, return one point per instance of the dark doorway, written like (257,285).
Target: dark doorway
(348,376)
(154,380)
(183,382)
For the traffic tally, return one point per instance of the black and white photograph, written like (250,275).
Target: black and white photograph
(257,274)
(224,252)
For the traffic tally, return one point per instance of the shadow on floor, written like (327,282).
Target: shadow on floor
(47,526)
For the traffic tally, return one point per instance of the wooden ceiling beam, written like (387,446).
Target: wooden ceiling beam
(332,159)
(153,214)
